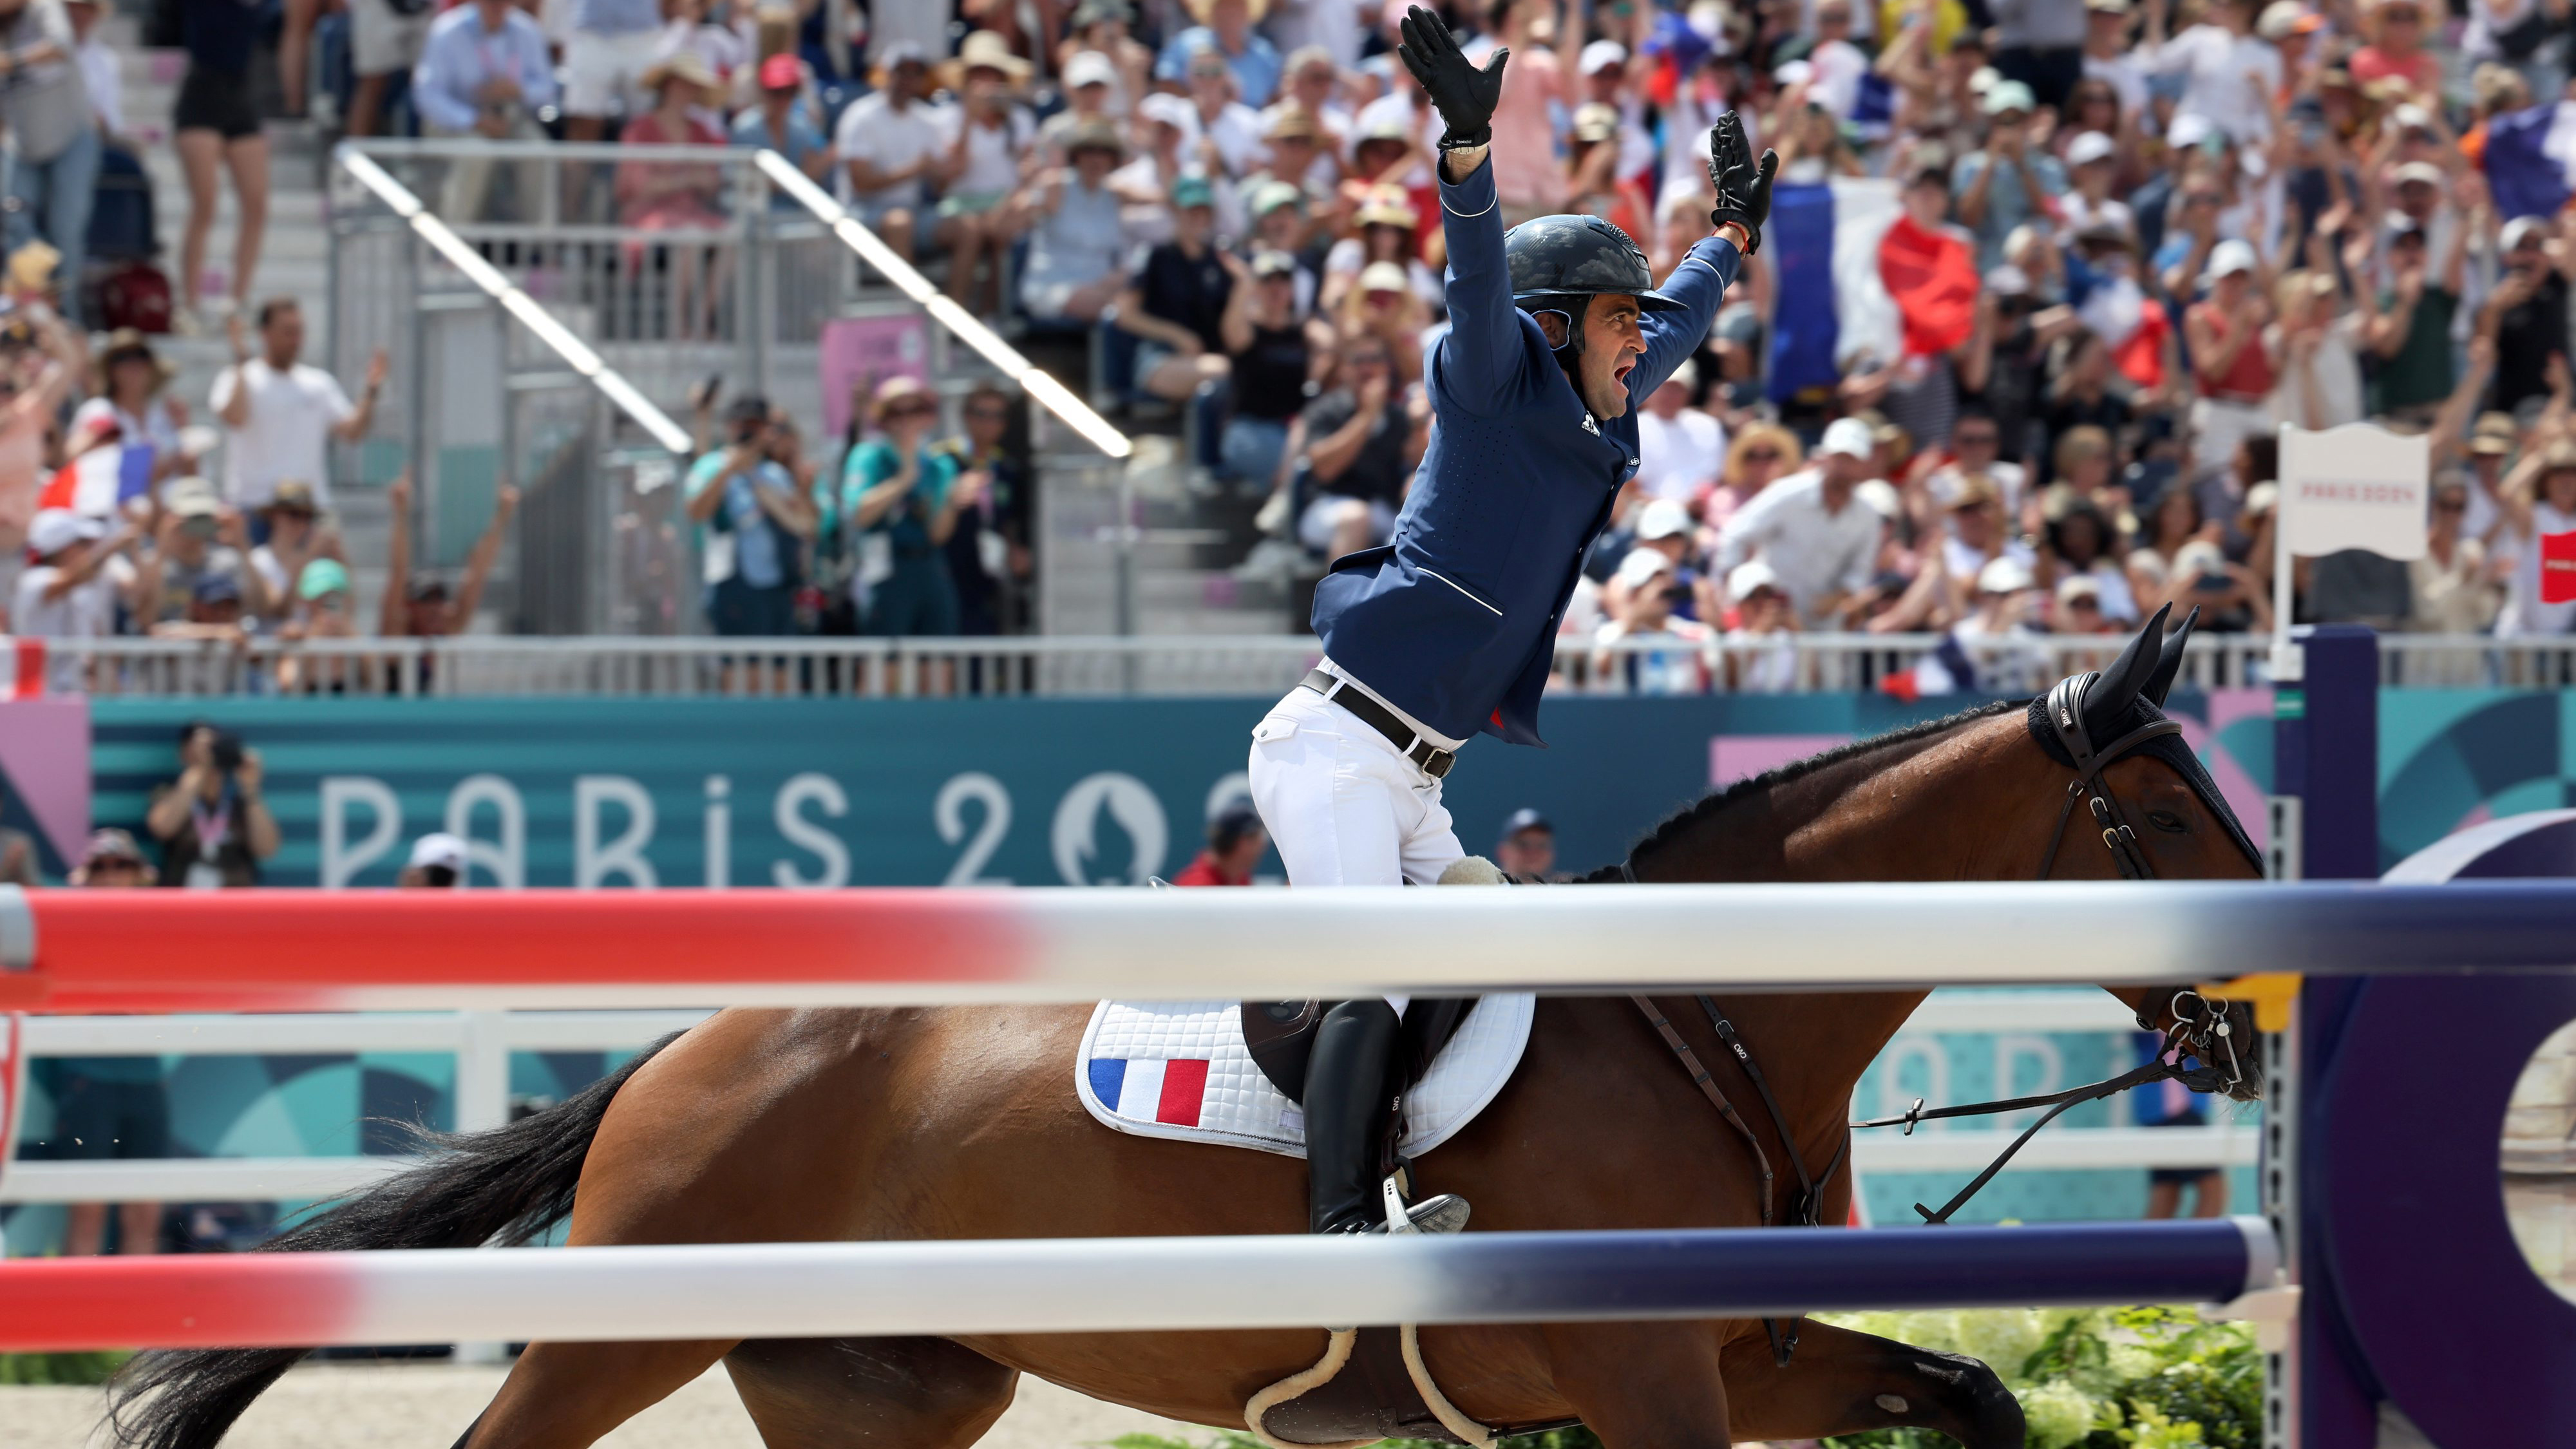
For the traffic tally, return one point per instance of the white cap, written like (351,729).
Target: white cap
(2006,575)
(1849,437)
(2008,280)
(2520,230)
(1089,68)
(2411,117)
(2230,257)
(2189,129)
(1384,276)
(2279,20)
(1685,377)
(1169,109)
(1749,578)
(2088,148)
(55,529)
(2423,171)
(1880,497)
(2075,586)
(1602,55)
(1641,565)
(438,848)
(1794,73)
(1663,518)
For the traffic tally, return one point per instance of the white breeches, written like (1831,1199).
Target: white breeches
(1342,806)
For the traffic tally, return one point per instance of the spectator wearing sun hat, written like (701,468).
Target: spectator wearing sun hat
(1820,540)
(71,590)
(438,862)
(130,384)
(1224,29)
(1077,239)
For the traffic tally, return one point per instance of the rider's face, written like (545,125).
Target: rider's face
(1612,344)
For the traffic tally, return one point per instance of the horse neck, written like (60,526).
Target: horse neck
(1957,805)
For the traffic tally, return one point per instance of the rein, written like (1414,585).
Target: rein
(2198,1029)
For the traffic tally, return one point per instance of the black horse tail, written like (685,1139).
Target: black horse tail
(506,1185)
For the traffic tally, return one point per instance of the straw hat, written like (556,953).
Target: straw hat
(1387,206)
(984,50)
(679,65)
(1200,10)
(123,343)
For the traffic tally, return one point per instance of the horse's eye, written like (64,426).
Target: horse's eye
(2166,820)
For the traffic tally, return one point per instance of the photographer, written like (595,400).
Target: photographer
(756,522)
(213,826)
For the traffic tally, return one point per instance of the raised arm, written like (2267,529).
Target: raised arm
(1479,362)
(478,564)
(1699,283)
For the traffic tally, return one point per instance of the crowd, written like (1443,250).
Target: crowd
(2045,279)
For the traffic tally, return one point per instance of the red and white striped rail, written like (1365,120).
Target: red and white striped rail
(1057,1285)
(190,950)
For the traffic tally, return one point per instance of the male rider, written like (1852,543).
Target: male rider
(1557,331)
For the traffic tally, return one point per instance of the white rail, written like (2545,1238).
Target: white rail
(296,1179)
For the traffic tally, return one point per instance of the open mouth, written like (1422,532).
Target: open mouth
(1620,373)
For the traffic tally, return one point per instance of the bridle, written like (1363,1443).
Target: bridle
(2199,1028)
(2065,712)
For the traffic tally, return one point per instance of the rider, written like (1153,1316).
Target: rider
(1556,331)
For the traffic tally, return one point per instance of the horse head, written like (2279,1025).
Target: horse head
(2155,796)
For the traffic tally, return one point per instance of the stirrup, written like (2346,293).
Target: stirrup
(1442,1213)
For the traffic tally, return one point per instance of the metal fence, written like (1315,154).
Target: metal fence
(640,545)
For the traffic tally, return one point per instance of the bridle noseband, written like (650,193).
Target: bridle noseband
(2065,711)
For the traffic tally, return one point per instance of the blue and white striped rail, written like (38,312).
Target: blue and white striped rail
(1091,1285)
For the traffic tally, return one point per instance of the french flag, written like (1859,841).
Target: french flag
(95,483)
(1151,1091)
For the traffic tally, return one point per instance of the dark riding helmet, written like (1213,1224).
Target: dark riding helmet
(1559,263)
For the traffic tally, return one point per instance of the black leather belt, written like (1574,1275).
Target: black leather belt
(1433,760)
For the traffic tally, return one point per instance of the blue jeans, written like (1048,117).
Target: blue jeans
(1252,449)
(53,202)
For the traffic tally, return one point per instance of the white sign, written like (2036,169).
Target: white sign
(2356,486)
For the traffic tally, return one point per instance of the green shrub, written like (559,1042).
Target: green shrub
(2089,1378)
(59,1368)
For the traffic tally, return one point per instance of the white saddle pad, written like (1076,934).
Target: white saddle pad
(1179,1069)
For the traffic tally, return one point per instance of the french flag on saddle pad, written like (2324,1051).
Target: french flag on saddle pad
(1171,1091)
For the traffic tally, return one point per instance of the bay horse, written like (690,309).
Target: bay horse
(961,1122)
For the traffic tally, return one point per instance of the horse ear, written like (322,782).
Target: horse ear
(2118,687)
(2160,683)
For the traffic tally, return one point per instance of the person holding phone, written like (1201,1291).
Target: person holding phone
(756,522)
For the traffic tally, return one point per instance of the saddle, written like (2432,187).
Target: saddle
(1281,1036)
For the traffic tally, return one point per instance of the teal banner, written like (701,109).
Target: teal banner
(816,793)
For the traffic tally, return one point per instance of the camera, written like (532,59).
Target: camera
(226,751)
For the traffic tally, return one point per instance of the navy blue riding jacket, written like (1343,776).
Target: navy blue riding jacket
(1455,621)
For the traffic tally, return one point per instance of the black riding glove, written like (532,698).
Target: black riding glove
(1743,189)
(1464,96)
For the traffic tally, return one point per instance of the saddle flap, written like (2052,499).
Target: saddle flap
(1281,1036)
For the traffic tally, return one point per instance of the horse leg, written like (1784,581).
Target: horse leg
(566,1395)
(1642,1385)
(1841,1382)
(869,1393)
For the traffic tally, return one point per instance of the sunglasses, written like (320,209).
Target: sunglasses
(911,409)
(117,863)
(1761,455)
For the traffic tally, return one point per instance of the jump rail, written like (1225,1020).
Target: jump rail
(74,950)
(1091,1285)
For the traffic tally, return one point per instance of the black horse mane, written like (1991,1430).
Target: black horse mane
(1689,816)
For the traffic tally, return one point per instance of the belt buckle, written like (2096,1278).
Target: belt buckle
(1435,761)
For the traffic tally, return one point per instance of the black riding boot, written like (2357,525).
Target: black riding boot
(1349,1094)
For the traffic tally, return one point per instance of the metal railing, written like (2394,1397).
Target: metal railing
(676,665)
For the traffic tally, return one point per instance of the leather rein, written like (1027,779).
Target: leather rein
(2199,1027)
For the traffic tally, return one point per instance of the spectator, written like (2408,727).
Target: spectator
(756,522)
(2454,587)
(1225,29)
(2529,311)
(1359,445)
(611,44)
(215,127)
(2108,55)
(484,72)
(100,78)
(197,538)
(438,862)
(1527,177)
(1273,356)
(901,499)
(778,120)
(111,1108)
(1076,241)
(385,41)
(297,536)
(895,152)
(324,607)
(1384,224)
(2396,50)
(2228,74)
(1526,850)
(1759,455)
(1219,115)
(718,45)
(54,139)
(2539,500)
(1383,306)
(989,551)
(1235,844)
(2078,610)
(2231,364)
(1820,541)
(2008,181)
(667,195)
(1175,304)
(993,131)
(280,415)
(2409,332)
(419,605)
(1663,653)
(1761,652)
(2318,341)
(212,822)
(2081,546)
(71,590)
(130,388)
(1681,450)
